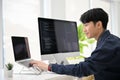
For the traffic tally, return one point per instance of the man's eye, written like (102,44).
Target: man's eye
(85,25)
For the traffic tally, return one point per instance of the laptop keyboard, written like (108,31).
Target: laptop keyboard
(26,63)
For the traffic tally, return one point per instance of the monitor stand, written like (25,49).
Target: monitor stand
(50,57)
(59,58)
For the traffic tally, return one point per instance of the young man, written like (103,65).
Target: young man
(104,61)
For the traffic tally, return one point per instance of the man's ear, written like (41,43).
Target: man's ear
(99,24)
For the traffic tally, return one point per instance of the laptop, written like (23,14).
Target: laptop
(21,50)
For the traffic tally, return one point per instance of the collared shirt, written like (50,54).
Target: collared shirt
(104,61)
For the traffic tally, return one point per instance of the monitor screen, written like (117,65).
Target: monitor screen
(20,48)
(57,36)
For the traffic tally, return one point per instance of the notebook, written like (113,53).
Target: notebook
(21,50)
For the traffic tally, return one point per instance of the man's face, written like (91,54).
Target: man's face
(91,30)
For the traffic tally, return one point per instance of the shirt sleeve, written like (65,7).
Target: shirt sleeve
(100,60)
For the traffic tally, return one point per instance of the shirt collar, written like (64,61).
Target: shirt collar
(103,36)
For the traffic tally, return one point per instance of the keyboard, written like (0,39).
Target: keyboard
(26,63)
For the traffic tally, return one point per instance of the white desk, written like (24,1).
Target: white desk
(43,76)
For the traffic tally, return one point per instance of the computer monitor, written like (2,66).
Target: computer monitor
(58,36)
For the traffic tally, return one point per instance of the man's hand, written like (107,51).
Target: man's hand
(42,65)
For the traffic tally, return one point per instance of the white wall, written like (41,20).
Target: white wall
(115,11)
(74,9)
(64,9)
(1,36)
(104,5)
(20,19)
(58,8)
(53,9)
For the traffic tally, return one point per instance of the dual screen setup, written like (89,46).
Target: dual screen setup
(58,40)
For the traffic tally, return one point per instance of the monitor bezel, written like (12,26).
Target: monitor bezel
(42,18)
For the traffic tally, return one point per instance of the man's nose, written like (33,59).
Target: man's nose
(84,30)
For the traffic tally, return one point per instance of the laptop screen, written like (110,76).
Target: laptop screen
(20,48)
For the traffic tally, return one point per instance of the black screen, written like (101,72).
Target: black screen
(57,36)
(20,48)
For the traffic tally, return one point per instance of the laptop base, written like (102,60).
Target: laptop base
(29,71)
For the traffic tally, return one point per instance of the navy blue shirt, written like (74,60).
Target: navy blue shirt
(104,61)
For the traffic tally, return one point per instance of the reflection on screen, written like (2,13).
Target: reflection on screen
(20,47)
(57,36)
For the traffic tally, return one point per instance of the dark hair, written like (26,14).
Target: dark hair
(95,14)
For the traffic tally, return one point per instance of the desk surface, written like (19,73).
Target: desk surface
(1,74)
(43,76)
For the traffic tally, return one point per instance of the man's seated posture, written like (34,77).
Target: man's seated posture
(104,61)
